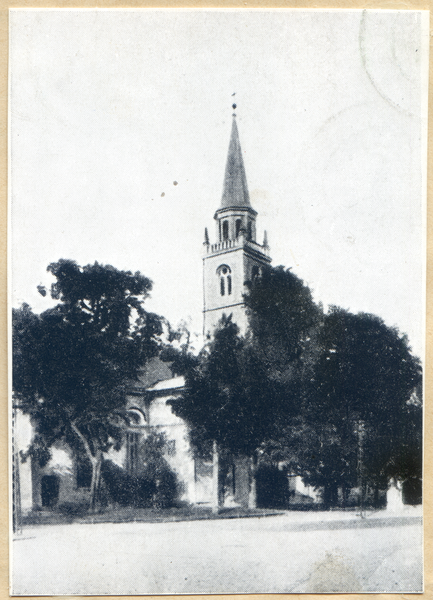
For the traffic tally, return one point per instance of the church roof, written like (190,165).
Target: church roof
(168,388)
(235,191)
(168,384)
(155,370)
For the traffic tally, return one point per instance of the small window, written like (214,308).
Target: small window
(225,230)
(225,278)
(255,272)
(238,226)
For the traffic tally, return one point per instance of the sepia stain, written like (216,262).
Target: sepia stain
(174,182)
(163,194)
(332,574)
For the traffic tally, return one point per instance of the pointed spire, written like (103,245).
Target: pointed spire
(265,240)
(235,191)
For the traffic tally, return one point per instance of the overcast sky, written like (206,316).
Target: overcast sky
(109,108)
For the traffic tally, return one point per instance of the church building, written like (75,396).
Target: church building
(228,264)
(232,260)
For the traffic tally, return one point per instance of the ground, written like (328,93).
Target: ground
(291,552)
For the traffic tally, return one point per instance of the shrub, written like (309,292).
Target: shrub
(166,489)
(157,470)
(156,485)
(126,489)
(73,509)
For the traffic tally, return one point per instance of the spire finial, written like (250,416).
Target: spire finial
(234,105)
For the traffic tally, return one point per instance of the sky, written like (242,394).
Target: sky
(119,128)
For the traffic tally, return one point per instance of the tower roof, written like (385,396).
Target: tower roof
(235,191)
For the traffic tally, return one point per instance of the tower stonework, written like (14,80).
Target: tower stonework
(236,257)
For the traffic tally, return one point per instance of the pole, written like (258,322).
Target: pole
(215,478)
(361,432)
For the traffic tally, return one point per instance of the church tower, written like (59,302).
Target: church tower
(236,257)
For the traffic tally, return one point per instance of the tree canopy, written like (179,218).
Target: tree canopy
(240,390)
(282,318)
(332,396)
(322,393)
(218,401)
(366,373)
(72,362)
(359,420)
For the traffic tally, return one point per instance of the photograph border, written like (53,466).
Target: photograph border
(4,316)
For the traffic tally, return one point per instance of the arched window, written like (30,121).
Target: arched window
(225,230)
(255,272)
(238,226)
(135,416)
(132,438)
(249,230)
(224,274)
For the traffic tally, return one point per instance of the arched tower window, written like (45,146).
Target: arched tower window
(238,226)
(225,230)
(255,272)
(249,230)
(225,280)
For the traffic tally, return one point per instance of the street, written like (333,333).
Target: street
(292,552)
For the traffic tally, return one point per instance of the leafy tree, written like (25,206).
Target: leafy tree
(242,391)
(225,402)
(359,405)
(282,320)
(71,363)
(284,323)
(283,326)
(218,400)
(345,383)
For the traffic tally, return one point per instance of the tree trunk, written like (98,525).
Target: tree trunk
(96,480)
(252,497)
(96,462)
(344,495)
